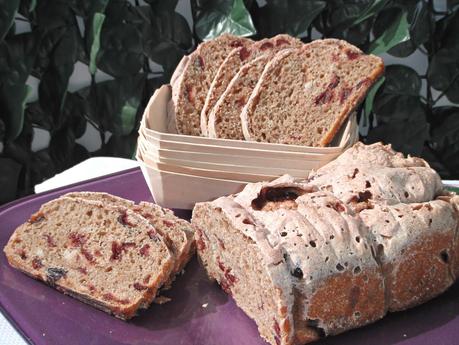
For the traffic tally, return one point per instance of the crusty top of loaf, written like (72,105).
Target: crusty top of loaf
(376,172)
(305,95)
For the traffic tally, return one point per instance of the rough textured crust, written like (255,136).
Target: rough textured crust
(191,82)
(84,249)
(305,95)
(347,263)
(236,59)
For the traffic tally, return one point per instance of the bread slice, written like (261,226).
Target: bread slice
(305,95)
(225,117)
(235,59)
(109,257)
(178,233)
(191,84)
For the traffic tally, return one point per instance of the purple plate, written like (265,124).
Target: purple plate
(199,313)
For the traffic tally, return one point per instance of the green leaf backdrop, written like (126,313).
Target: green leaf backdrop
(122,38)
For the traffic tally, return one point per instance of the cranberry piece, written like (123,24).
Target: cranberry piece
(276,327)
(231,278)
(37,217)
(87,254)
(344,94)
(244,54)
(22,254)
(364,196)
(144,250)
(140,287)
(82,270)
(37,263)
(327,96)
(116,250)
(124,219)
(200,244)
(190,93)
(199,62)
(49,240)
(77,239)
(352,55)
(220,265)
(236,44)
(221,244)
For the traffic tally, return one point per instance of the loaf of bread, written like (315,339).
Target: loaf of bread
(310,258)
(233,62)
(305,95)
(191,81)
(102,250)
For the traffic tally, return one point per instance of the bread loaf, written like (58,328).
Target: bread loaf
(191,82)
(305,95)
(231,65)
(339,262)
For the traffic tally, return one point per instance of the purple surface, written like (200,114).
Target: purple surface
(44,316)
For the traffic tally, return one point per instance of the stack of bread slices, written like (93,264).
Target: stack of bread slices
(240,111)
(103,250)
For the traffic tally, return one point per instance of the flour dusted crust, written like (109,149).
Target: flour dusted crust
(343,262)
(191,81)
(304,96)
(233,62)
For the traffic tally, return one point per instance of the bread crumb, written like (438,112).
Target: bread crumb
(205,305)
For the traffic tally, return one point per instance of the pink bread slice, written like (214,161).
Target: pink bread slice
(109,257)
(191,84)
(305,95)
(233,62)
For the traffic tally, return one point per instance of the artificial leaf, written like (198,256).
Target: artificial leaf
(443,69)
(114,104)
(96,28)
(420,23)
(224,16)
(121,146)
(166,37)
(445,137)
(402,80)
(397,32)
(9,178)
(12,102)
(368,107)
(17,56)
(372,9)
(8,9)
(393,107)
(54,14)
(2,130)
(163,5)
(41,166)
(120,50)
(53,85)
(61,146)
(452,4)
(408,137)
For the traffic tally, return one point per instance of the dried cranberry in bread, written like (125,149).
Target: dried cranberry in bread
(305,95)
(236,59)
(323,260)
(414,243)
(178,233)
(109,257)
(191,84)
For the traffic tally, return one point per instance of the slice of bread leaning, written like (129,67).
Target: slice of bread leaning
(233,62)
(191,82)
(305,95)
(109,257)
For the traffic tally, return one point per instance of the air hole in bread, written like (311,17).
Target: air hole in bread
(444,256)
